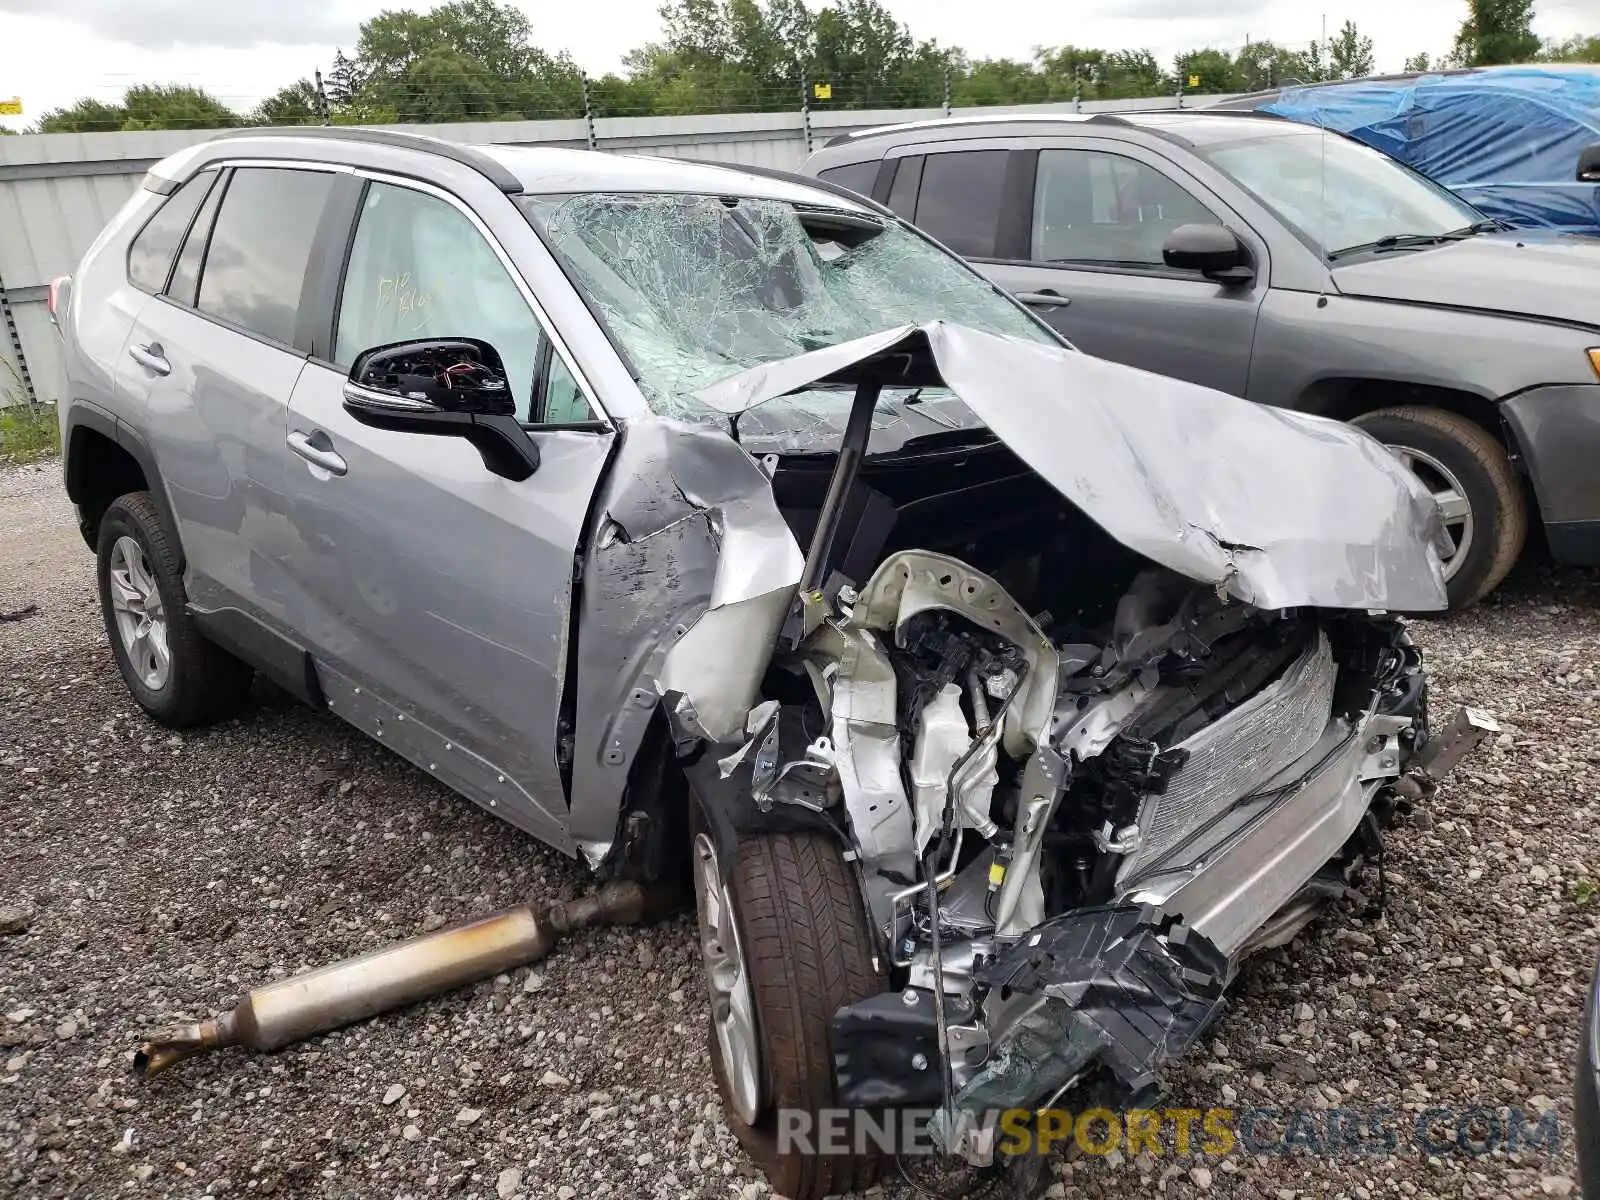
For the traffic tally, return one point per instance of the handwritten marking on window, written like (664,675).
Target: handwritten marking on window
(408,300)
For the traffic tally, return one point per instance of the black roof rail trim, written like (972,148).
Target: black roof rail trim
(476,160)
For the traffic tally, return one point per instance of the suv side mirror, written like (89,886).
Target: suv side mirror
(451,387)
(1589,164)
(1216,252)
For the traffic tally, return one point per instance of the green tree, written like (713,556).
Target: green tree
(344,80)
(86,116)
(466,60)
(1349,53)
(1262,65)
(1311,64)
(1419,62)
(297,104)
(997,81)
(1213,68)
(144,106)
(1497,31)
(1577,49)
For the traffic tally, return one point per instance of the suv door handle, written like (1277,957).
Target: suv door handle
(317,449)
(152,358)
(1045,298)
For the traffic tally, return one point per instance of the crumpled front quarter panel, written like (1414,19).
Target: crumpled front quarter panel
(689,572)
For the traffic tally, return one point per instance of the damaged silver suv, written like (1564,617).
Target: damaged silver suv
(710,522)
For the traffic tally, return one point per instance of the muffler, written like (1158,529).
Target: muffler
(317,1001)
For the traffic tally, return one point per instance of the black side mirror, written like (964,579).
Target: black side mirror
(451,387)
(1589,164)
(1214,251)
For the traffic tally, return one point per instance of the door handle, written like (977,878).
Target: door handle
(1045,298)
(152,358)
(317,450)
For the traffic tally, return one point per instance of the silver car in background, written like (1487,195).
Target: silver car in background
(710,523)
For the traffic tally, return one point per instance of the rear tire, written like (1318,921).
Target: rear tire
(807,952)
(1451,450)
(177,677)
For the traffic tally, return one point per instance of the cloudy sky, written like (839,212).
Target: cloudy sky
(55,51)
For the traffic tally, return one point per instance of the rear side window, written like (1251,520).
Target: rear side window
(961,197)
(256,263)
(150,256)
(858,177)
(186,272)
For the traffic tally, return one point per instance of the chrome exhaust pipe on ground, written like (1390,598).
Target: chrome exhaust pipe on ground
(318,1001)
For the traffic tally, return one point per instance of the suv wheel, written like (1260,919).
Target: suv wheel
(1471,477)
(785,945)
(177,676)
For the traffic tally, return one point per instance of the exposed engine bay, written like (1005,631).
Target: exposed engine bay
(1076,799)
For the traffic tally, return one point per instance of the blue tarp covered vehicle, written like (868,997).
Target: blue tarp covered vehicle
(1506,139)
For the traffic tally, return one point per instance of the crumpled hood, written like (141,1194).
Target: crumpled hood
(1535,273)
(1278,508)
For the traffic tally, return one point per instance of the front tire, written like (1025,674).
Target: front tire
(800,947)
(177,677)
(1471,476)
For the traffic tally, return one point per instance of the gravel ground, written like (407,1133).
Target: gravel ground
(162,875)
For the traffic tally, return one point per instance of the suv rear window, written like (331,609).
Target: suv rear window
(256,263)
(150,256)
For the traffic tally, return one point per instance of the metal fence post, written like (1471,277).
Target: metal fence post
(322,100)
(13,340)
(947,89)
(1077,96)
(805,109)
(588,109)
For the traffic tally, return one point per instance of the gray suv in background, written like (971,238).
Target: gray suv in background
(1292,267)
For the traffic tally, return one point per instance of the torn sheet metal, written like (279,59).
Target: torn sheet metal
(1278,508)
(1124,987)
(690,570)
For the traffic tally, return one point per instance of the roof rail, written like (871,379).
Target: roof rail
(467,156)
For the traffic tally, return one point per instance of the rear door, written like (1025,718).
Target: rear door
(211,362)
(1074,227)
(436,596)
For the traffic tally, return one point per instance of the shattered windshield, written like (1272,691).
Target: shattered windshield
(698,288)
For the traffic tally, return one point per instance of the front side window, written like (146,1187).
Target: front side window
(255,265)
(1093,207)
(697,288)
(418,269)
(1338,195)
(150,256)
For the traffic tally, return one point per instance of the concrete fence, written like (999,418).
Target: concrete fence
(58,190)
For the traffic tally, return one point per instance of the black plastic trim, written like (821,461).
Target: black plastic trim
(281,659)
(466,156)
(323,284)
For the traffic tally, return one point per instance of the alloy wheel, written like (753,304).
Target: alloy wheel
(141,618)
(733,1015)
(1449,495)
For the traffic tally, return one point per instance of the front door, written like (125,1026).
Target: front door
(1094,269)
(436,595)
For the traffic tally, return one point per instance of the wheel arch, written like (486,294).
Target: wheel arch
(102,459)
(1343,398)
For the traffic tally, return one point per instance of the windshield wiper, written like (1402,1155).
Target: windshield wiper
(1406,241)
(1391,241)
(1477,227)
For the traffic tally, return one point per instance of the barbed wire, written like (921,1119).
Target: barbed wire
(1052,75)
